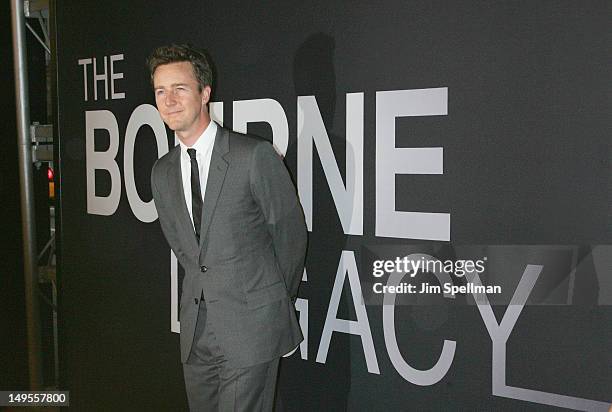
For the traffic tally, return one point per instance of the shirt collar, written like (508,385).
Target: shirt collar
(203,143)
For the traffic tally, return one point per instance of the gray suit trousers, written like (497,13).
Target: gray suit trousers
(212,384)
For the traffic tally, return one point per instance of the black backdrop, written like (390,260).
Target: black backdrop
(526,152)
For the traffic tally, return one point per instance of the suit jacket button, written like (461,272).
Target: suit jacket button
(203,268)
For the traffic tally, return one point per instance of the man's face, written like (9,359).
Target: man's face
(179,101)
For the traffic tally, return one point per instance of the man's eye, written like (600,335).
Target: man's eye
(159,92)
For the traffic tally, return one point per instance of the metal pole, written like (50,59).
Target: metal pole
(27,195)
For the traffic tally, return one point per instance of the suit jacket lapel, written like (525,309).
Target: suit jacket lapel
(177,197)
(216,177)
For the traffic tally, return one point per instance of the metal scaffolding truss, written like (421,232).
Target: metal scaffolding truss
(35,143)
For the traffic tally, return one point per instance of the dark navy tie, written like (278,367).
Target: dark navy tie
(196,193)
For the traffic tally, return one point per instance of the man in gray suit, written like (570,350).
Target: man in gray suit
(229,211)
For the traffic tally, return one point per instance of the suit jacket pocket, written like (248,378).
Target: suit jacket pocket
(266,295)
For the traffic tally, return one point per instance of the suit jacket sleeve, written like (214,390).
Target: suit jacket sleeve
(163,213)
(275,194)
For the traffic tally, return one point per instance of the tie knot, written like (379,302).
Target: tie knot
(191,153)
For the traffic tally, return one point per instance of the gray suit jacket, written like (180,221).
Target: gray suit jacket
(249,261)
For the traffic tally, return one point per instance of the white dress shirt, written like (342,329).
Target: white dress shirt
(203,147)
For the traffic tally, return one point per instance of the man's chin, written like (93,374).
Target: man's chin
(173,125)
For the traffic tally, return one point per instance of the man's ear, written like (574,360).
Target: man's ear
(205,95)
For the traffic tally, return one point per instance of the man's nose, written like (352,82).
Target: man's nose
(170,99)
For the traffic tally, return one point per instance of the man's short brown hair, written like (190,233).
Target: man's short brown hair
(176,53)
